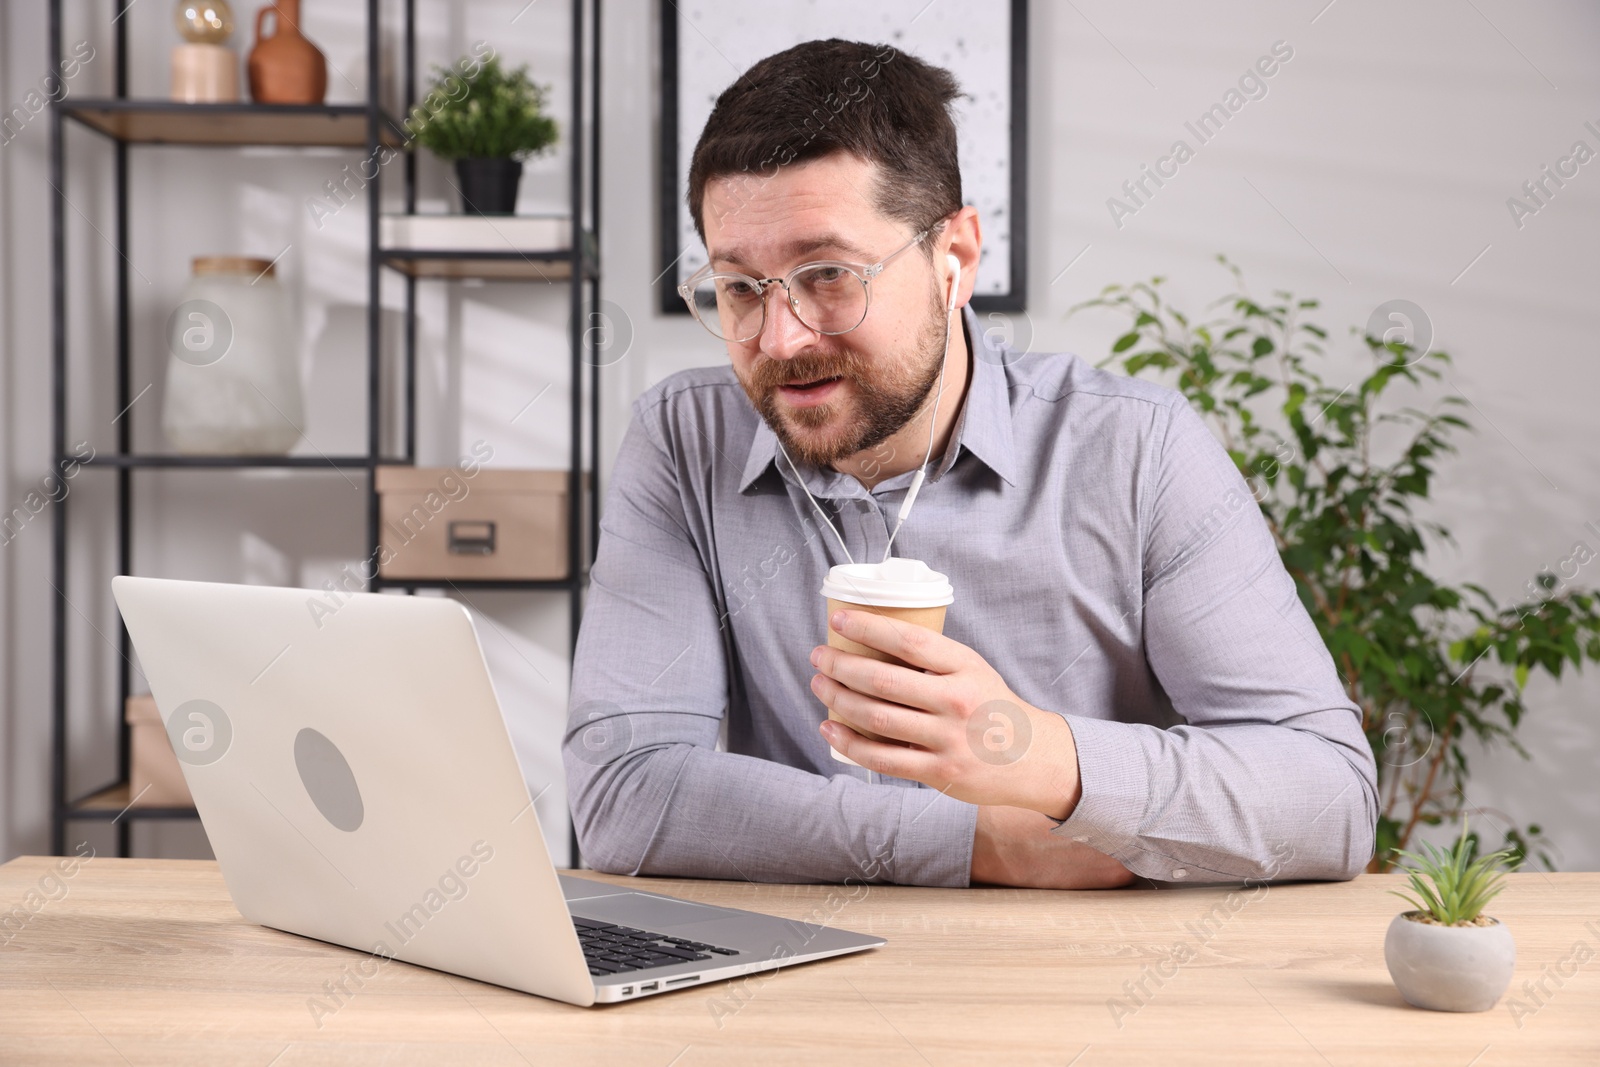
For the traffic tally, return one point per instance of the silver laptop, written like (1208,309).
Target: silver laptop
(358,785)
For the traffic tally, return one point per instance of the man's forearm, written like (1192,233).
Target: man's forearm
(1014,846)
(1227,803)
(1050,767)
(683,809)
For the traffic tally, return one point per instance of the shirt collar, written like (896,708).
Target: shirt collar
(983,427)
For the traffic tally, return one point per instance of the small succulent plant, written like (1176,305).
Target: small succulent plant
(1462,886)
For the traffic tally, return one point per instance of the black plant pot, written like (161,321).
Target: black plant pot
(488,186)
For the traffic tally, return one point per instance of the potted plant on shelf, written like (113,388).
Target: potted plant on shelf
(1343,475)
(1445,954)
(487,131)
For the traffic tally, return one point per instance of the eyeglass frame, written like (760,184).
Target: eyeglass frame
(864,271)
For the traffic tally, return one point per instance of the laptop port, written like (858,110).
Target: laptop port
(685,978)
(627,990)
(648,987)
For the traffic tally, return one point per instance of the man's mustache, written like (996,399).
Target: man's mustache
(794,372)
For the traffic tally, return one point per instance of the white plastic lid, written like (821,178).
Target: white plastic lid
(897,582)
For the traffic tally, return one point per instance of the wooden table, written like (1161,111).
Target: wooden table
(147,962)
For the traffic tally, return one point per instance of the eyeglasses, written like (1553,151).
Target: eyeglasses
(829,296)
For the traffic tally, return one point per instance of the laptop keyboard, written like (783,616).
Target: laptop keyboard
(612,949)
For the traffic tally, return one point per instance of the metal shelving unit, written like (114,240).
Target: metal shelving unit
(131,122)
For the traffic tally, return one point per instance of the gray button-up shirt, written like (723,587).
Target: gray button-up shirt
(1108,561)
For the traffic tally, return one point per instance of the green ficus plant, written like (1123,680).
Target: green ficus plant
(499,115)
(1339,471)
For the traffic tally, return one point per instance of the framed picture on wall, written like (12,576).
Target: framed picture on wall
(706,47)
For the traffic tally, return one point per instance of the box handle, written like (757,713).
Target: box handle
(471,538)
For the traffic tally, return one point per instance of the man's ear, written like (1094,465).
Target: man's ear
(963,239)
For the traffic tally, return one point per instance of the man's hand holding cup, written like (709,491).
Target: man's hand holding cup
(906,701)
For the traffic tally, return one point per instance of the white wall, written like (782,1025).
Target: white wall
(1376,167)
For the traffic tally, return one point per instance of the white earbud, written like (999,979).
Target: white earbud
(955,280)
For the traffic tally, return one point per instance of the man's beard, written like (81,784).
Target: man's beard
(883,405)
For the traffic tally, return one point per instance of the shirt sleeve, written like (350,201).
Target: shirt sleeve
(1270,776)
(650,793)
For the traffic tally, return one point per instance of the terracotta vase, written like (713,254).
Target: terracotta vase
(285,68)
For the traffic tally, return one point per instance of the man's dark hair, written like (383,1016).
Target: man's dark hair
(821,97)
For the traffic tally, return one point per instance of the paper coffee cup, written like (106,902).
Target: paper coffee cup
(899,588)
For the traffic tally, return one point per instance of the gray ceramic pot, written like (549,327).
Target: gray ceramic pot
(1449,968)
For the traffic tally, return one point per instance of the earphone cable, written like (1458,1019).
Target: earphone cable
(801,479)
(916,483)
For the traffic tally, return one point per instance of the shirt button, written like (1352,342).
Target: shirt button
(1180,873)
(1081,837)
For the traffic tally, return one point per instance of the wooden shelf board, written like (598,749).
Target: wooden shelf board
(153,459)
(471,584)
(491,266)
(169,122)
(108,802)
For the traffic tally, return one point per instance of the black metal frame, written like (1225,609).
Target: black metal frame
(583,261)
(668,192)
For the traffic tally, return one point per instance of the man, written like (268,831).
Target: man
(1163,706)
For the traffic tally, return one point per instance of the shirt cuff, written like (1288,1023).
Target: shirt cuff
(933,845)
(1115,778)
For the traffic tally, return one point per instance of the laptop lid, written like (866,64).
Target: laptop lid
(355,776)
